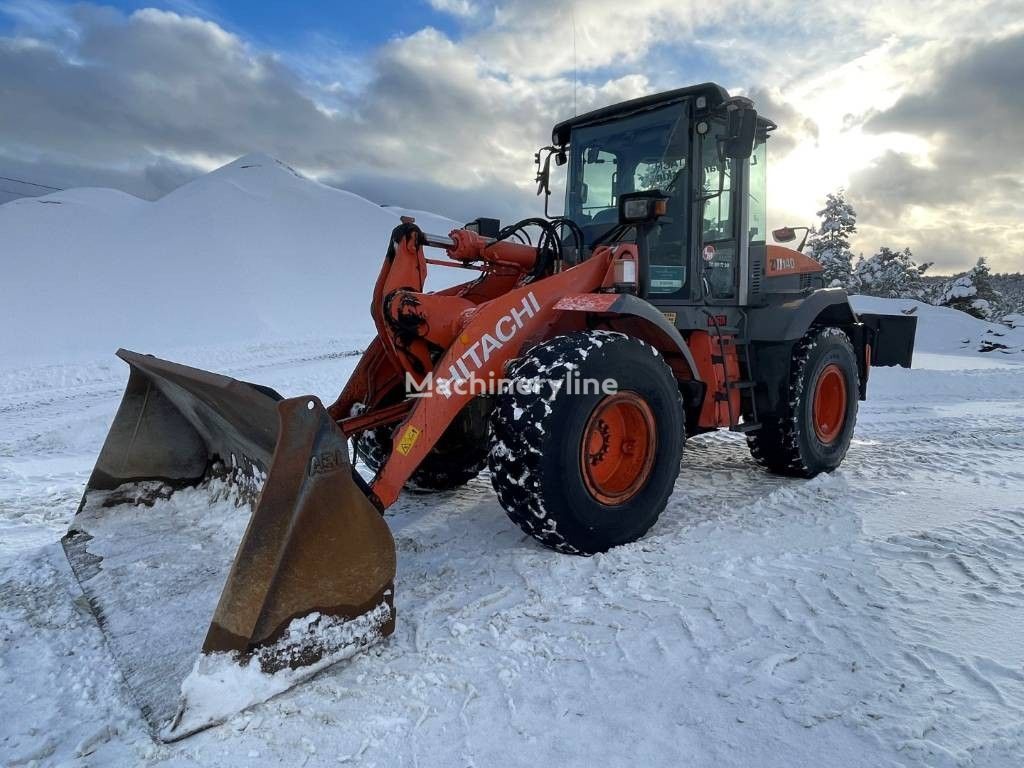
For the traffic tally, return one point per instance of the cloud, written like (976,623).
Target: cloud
(968,112)
(150,84)
(464,8)
(144,100)
(154,92)
(35,15)
(150,181)
(794,127)
(975,97)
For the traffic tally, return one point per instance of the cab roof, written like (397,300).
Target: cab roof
(714,93)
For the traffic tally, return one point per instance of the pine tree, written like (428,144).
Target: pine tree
(829,244)
(1008,305)
(971,291)
(981,275)
(891,274)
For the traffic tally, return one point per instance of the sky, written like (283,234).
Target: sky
(913,106)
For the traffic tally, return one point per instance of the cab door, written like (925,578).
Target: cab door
(718,215)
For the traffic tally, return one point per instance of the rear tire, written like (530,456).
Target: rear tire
(582,473)
(458,457)
(811,433)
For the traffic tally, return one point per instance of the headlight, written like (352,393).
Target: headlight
(638,207)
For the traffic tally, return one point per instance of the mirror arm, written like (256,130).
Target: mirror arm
(543,177)
(803,242)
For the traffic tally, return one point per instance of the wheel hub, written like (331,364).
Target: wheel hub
(829,406)
(618,446)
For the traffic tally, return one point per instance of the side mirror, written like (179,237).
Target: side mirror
(742,127)
(788,235)
(543,178)
(543,173)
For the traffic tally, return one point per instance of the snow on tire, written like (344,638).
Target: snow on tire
(811,433)
(582,472)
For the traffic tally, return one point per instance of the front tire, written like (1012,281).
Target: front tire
(811,431)
(458,457)
(582,472)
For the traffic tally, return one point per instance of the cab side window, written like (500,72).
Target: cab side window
(718,238)
(717,181)
(598,201)
(757,209)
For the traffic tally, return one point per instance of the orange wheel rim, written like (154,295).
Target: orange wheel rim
(617,451)
(829,403)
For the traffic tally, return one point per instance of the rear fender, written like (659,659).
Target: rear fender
(790,320)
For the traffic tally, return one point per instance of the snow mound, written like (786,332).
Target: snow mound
(251,250)
(941,330)
(1014,320)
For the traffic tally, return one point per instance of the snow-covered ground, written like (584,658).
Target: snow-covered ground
(872,617)
(867,618)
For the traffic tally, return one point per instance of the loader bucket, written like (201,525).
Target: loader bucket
(225,545)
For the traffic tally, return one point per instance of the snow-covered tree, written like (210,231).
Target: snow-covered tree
(659,175)
(891,274)
(971,292)
(1009,301)
(829,243)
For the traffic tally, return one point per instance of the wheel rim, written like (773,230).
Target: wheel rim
(830,403)
(617,451)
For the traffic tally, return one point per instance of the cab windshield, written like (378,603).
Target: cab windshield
(646,151)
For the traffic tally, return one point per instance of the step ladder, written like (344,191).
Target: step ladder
(745,384)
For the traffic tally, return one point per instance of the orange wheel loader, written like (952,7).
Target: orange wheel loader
(573,366)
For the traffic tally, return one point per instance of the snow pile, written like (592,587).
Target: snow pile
(942,330)
(1013,320)
(251,250)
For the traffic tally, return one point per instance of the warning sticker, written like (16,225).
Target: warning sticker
(709,252)
(408,440)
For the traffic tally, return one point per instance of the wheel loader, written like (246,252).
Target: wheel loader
(573,365)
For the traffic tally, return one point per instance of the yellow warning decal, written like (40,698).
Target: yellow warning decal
(408,440)
(670,316)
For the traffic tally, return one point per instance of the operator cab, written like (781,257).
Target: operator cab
(701,151)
